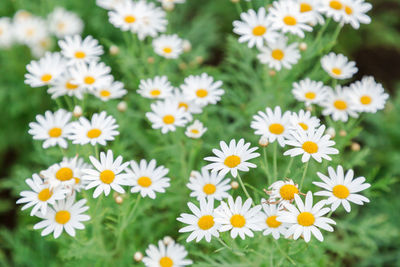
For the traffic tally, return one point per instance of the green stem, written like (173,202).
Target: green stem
(223,243)
(243,187)
(238,8)
(284,253)
(96,151)
(266,165)
(304,175)
(275,160)
(69,103)
(287,171)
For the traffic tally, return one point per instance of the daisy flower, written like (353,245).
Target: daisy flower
(272,124)
(338,104)
(64,86)
(201,223)
(53,128)
(99,130)
(65,215)
(90,76)
(156,88)
(110,90)
(147,178)
(22,15)
(63,23)
(195,130)
(334,9)
(45,70)
(232,158)
(310,92)
(283,192)
(125,15)
(40,196)
(208,185)
(341,188)
(240,219)
(167,115)
(30,30)
(338,66)
(168,46)
(286,17)
(40,48)
(109,4)
(269,214)
(77,50)
(354,12)
(6,33)
(254,28)
(186,102)
(279,54)
(304,120)
(306,218)
(107,173)
(171,254)
(202,89)
(311,8)
(311,143)
(368,95)
(152,22)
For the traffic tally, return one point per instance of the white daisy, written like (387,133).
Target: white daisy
(233,158)
(109,4)
(107,173)
(167,115)
(6,32)
(90,76)
(168,46)
(272,124)
(286,17)
(77,50)
(186,102)
(306,218)
(334,9)
(166,255)
(237,218)
(46,70)
(368,95)
(282,192)
(100,129)
(65,215)
(338,66)
(152,21)
(304,120)
(208,185)
(310,92)
(22,15)
(155,88)
(64,86)
(40,196)
(126,15)
(110,90)
(311,8)
(30,30)
(202,89)
(53,128)
(201,223)
(341,188)
(338,104)
(269,214)
(63,23)
(147,179)
(279,54)
(40,48)
(195,130)
(312,143)
(254,28)
(354,12)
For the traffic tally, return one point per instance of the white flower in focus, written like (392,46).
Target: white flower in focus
(338,66)
(166,255)
(202,89)
(78,51)
(46,70)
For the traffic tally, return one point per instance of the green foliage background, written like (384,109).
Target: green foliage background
(368,236)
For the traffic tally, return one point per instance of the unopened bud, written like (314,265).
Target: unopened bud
(167,240)
(182,66)
(119,199)
(77,112)
(186,45)
(263,141)
(235,1)
(272,73)
(234,185)
(138,256)
(150,60)
(331,131)
(199,59)
(355,146)
(114,50)
(309,108)
(122,106)
(303,46)
(168,6)
(342,133)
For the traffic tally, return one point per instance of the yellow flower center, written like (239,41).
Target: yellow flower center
(167,50)
(238,221)
(310,147)
(272,222)
(63,216)
(287,191)
(105,93)
(336,71)
(61,26)
(348,10)
(144,181)
(365,100)
(45,194)
(209,189)
(201,93)
(129,19)
(107,176)
(310,95)
(64,174)
(46,77)
(93,133)
(290,20)
(276,128)
(30,32)
(340,191)
(168,119)
(205,222)
(77,180)
(340,104)
(303,125)
(89,80)
(70,86)
(259,30)
(55,132)
(305,218)
(277,54)
(183,104)
(155,92)
(304,7)
(166,262)
(232,161)
(336,5)
(80,54)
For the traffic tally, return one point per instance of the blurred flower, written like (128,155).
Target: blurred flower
(338,66)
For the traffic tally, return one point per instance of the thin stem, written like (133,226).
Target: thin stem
(238,8)
(223,243)
(266,164)
(304,174)
(275,160)
(284,253)
(243,187)
(330,214)
(287,171)
(69,102)
(96,151)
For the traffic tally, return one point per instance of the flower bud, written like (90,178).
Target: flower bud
(138,256)
(77,112)
(168,6)
(122,106)
(114,50)
(186,45)
(303,46)
(234,185)
(263,141)
(167,240)
(150,60)
(342,133)
(272,73)
(331,131)
(355,146)
(119,199)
